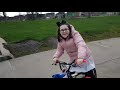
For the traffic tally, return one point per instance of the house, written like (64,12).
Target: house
(71,14)
(85,14)
(60,15)
(19,17)
(50,15)
(78,14)
(111,13)
(1,18)
(41,16)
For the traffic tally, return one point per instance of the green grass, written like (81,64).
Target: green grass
(91,29)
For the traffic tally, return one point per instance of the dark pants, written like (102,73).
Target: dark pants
(92,73)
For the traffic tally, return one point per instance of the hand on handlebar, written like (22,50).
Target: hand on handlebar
(80,61)
(55,61)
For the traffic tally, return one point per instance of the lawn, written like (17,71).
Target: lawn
(91,29)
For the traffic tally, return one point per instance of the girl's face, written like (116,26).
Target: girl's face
(64,31)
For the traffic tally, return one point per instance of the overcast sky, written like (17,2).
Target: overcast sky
(12,14)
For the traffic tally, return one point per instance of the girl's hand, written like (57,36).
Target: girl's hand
(79,61)
(55,60)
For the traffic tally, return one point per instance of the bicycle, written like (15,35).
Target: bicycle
(66,73)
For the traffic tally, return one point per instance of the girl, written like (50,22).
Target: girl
(70,40)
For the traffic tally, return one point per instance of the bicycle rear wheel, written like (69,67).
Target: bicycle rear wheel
(80,76)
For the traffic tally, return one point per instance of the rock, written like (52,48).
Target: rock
(52,42)
(4,51)
(27,47)
(24,47)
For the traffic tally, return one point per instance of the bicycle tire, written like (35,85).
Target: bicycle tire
(80,76)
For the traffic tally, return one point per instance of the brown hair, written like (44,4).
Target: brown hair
(59,35)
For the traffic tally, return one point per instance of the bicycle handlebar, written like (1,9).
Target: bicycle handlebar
(72,64)
(61,62)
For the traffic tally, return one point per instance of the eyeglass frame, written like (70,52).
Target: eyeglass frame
(62,30)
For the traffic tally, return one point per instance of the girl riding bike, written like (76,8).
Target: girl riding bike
(70,40)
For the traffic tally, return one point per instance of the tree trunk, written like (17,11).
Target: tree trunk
(89,14)
(5,16)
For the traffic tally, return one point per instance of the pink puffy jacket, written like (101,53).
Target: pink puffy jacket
(75,47)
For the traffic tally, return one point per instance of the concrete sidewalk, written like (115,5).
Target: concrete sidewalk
(106,54)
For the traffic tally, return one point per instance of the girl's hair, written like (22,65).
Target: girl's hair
(59,37)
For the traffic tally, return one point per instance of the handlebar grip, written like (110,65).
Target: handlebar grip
(55,63)
(84,60)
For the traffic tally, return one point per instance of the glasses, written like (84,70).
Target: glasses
(62,30)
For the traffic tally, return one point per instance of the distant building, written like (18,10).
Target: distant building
(71,14)
(78,14)
(82,14)
(41,16)
(50,15)
(1,18)
(111,13)
(60,15)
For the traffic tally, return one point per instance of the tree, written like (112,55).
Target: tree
(19,15)
(28,15)
(118,13)
(89,14)
(5,15)
(32,16)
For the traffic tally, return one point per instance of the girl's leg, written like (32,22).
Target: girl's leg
(92,73)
